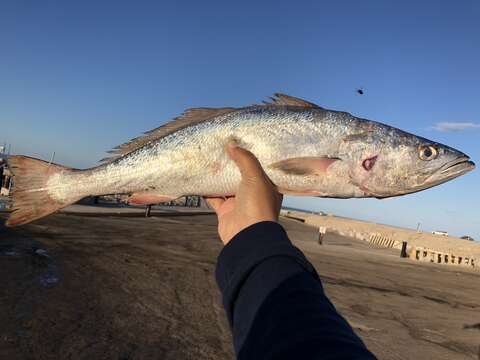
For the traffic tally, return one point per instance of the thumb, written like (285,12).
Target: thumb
(246,162)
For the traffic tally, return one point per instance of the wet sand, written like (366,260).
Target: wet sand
(118,287)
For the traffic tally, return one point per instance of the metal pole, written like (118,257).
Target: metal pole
(52,158)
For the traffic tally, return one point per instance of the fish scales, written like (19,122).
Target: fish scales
(193,160)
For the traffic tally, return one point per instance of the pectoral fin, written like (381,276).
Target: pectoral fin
(300,192)
(307,165)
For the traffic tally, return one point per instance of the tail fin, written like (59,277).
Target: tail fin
(31,199)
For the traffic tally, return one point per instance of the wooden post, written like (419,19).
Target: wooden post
(321,234)
(148,208)
(403,253)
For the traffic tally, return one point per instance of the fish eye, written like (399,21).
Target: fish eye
(427,153)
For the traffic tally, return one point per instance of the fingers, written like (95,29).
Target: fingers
(215,203)
(247,163)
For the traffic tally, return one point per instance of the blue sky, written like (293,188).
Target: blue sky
(79,77)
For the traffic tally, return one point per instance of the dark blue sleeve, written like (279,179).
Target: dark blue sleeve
(275,302)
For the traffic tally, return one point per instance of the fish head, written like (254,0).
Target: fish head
(392,162)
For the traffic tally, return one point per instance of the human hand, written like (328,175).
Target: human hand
(256,199)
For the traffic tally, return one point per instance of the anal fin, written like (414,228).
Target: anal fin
(148,198)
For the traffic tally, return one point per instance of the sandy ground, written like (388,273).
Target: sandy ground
(117,287)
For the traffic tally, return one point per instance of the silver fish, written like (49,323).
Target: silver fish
(304,148)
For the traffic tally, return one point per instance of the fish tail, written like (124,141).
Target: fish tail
(31,199)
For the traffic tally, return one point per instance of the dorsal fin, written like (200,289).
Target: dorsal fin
(188,118)
(283,99)
(191,117)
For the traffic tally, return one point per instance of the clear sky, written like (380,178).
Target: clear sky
(79,77)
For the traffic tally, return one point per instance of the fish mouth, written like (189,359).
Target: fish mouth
(447,172)
(457,167)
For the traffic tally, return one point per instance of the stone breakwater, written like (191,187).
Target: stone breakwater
(421,246)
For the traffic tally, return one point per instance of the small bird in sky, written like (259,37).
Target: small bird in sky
(360,91)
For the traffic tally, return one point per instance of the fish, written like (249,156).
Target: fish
(305,150)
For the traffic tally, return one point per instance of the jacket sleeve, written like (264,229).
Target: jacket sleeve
(275,302)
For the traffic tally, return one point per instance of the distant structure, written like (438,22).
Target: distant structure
(440,232)
(189,201)
(5,174)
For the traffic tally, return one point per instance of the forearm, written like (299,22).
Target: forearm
(251,265)
(274,299)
